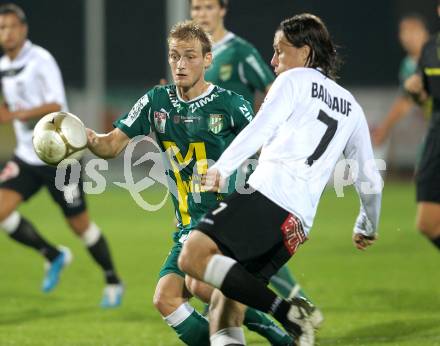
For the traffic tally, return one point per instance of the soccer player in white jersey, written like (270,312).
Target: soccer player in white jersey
(304,125)
(32,87)
(238,66)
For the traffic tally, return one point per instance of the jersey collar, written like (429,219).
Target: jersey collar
(206,93)
(219,44)
(23,52)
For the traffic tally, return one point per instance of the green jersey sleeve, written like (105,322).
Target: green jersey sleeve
(136,122)
(241,113)
(256,72)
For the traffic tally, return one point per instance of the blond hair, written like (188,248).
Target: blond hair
(189,30)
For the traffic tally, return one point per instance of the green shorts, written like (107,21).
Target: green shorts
(170,264)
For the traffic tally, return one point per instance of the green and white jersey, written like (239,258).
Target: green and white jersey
(189,133)
(238,66)
(408,67)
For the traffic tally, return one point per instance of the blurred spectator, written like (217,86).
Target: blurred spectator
(413,34)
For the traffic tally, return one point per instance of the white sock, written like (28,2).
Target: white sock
(216,270)
(231,335)
(91,235)
(11,223)
(179,315)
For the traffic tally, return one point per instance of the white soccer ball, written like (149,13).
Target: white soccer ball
(59,136)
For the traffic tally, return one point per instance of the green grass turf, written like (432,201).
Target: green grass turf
(388,295)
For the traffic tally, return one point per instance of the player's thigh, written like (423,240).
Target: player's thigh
(254,231)
(428,218)
(9,201)
(428,171)
(18,182)
(69,197)
(170,266)
(196,253)
(170,290)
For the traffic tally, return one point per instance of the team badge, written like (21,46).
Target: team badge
(160,120)
(225,72)
(215,123)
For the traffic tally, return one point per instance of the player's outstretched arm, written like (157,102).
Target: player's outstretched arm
(107,145)
(400,108)
(368,185)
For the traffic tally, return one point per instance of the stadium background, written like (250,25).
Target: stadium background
(386,297)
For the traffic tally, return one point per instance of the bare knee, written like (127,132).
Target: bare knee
(9,201)
(424,227)
(428,219)
(170,294)
(165,303)
(79,223)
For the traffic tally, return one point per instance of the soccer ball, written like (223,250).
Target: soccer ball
(59,136)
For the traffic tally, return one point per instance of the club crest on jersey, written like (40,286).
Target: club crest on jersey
(225,72)
(160,120)
(215,123)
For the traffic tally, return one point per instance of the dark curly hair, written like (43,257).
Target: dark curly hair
(308,29)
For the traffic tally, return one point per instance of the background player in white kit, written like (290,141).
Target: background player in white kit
(306,122)
(32,87)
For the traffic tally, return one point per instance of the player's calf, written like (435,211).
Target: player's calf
(225,320)
(171,300)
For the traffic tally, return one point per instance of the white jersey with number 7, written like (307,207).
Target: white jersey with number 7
(305,124)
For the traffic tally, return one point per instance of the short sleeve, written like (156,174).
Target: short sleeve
(256,72)
(136,122)
(241,113)
(49,76)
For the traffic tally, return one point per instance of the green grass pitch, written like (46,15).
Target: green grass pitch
(388,295)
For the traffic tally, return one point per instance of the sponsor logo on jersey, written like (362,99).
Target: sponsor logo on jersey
(173,99)
(135,111)
(160,120)
(215,123)
(200,103)
(225,72)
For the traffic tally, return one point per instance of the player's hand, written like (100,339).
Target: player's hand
(163,81)
(211,180)
(5,115)
(91,137)
(414,85)
(361,242)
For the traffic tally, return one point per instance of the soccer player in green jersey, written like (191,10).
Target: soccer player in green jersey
(193,121)
(239,67)
(413,34)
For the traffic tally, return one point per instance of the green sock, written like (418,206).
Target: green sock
(191,327)
(261,323)
(284,283)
